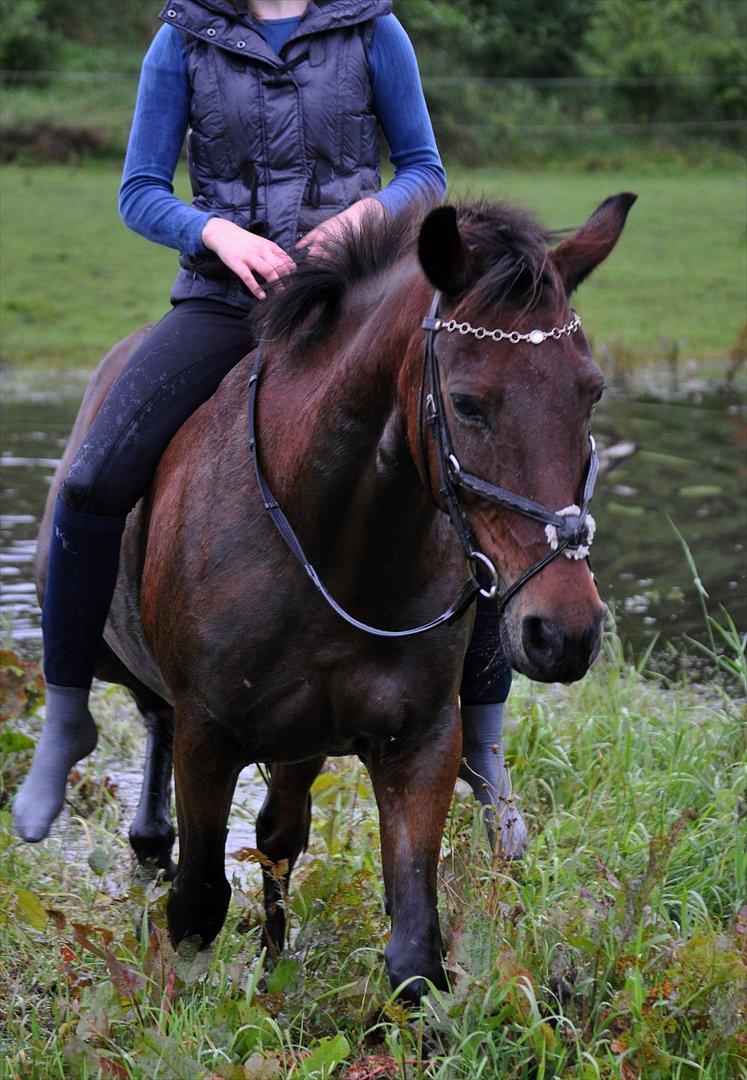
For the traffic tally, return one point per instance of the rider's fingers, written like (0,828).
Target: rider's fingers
(287,265)
(273,270)
(318,245)
(268,271)
(242,270)
(276,254)
(311,239)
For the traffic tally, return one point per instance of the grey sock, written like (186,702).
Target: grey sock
(69,734)
(484,768)
(482,752)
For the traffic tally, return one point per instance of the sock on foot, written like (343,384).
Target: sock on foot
(482,752)
(69,734)
(484,768)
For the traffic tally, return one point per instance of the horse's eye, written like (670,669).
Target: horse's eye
(467,408)
(596,397)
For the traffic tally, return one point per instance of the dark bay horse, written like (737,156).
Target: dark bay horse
(216,628)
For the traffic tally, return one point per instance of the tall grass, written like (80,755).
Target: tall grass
(612,950)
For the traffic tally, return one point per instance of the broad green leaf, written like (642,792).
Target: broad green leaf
(30,909)
(324,782)
(325,1057)
(284,976)
(13,741)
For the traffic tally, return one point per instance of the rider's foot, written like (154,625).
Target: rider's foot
(484,768)
(69,734)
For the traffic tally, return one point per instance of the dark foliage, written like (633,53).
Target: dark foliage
(506,80)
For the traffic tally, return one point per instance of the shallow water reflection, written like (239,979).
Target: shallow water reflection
(690,466)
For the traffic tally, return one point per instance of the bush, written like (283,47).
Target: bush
(26,45)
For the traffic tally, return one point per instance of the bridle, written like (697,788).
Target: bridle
(569,531)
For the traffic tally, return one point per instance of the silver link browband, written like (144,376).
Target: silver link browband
(534,337)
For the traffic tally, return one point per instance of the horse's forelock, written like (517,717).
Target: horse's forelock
(513,249)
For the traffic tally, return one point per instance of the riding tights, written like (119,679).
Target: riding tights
(177,367)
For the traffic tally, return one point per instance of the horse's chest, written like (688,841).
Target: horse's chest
(332,700)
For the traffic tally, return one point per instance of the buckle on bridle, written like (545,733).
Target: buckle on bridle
(476,557)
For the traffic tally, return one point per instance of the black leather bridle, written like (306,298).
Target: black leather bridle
(568,531)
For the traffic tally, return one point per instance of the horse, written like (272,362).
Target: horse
(375,396)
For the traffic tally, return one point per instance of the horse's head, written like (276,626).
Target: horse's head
(518,413)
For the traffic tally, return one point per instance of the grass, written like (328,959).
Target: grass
(613,950)
(97,107)
(75,280)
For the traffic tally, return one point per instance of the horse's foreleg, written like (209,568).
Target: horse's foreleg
(282,834)
(207,762)
(152,832)
(414,783)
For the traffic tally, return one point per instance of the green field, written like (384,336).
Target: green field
(75,280)
(612,951)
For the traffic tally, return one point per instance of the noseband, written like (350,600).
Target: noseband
(569,531)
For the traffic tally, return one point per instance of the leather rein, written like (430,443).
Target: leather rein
(569,531)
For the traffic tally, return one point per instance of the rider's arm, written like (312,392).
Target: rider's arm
(401,110)
(147,202)
(146,199)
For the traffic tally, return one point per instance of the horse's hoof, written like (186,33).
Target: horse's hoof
(154,841)
(406,959)
(197,911)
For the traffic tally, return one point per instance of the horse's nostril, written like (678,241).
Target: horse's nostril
(555,656)
(542,638)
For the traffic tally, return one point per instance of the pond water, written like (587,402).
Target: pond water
(690,466)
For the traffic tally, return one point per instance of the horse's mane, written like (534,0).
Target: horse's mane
(510,245)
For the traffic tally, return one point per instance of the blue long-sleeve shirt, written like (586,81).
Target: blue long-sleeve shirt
(147,202)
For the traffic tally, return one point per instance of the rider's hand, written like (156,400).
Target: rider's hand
(247,254)
(333,227)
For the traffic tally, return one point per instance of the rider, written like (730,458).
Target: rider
(283,100)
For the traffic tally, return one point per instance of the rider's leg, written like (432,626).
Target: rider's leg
(177,367)
(486,682)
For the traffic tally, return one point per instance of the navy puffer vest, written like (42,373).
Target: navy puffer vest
(277,144)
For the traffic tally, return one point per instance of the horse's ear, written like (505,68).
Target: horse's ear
(443,254)
(577,256)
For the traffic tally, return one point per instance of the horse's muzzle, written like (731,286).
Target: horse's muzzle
(553,655)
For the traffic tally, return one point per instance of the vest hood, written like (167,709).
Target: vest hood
(319,15)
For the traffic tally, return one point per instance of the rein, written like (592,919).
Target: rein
(569,531)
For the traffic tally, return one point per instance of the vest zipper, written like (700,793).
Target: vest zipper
(315,191)
(250,177)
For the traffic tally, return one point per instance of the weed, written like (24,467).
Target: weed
(613,949)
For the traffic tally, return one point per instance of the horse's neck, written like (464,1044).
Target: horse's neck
(341,455)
